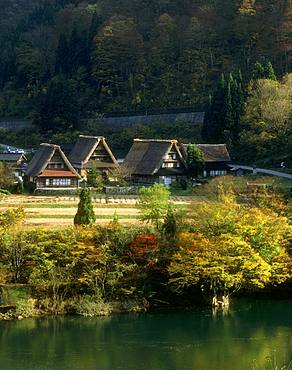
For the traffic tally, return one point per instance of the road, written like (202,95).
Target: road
(261,170)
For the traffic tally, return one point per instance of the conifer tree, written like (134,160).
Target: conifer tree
(269,72)
(213,124)
(224,111)
(237,97)
(265,71)
(61,65)
(227,116)
(195,160)
(85,214)
(257,71)
(170,225)
(59,110)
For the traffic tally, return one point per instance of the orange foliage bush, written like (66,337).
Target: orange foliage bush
(144,245)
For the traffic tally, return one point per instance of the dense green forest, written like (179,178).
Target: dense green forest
(63,60)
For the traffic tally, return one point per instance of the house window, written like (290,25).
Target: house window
(171,156)
(61,182)
(218,173)
(47,182)
(165,180)
(167,165)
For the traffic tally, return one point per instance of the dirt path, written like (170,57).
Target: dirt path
(72,211)
(69,222)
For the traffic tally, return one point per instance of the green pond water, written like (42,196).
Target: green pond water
(253,331)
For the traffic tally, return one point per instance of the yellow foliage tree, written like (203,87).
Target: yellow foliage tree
(233,246)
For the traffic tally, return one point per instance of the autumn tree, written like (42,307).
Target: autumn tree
(7,177)
(232,247)
(267,121)
(220,265)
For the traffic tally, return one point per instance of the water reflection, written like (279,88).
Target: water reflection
(162,341)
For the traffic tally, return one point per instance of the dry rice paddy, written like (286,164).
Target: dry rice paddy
(59,211)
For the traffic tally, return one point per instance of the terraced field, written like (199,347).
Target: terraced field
(56,211)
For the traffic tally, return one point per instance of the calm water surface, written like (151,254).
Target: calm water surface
(161,341)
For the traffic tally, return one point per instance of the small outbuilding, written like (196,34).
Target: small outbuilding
(50,169)
(216,158)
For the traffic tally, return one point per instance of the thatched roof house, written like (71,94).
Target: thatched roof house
(92,151)
(16,161)
(216,158)
(151,161)
(13,158)
(50,169)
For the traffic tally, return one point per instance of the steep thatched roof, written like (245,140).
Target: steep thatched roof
(85,147)
(146,156)
(212,152)
(12,157)
(42,158)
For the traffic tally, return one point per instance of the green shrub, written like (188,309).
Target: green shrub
(91,306)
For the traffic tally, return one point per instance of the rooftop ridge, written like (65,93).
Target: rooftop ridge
(157,140)
(204,144)
(92,137)
(50,145)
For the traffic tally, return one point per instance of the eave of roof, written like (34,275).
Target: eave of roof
(56,173)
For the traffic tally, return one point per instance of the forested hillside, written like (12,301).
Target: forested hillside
(65,61)
(133,55)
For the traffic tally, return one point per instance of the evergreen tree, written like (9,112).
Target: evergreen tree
(263,71)
(213,130)
(95,178)
(62,55)
(195,160)
(60,109)
(269,72)
(96,22)
(224,111)
(237,96)
(257,71)
(85,214)
(227,117)
(170,225)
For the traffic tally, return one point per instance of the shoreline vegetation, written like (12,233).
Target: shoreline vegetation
(234,244)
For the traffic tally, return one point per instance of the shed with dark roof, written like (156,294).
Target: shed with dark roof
(216,158)
(51,169)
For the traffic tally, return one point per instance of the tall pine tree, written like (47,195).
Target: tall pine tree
(213,130)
